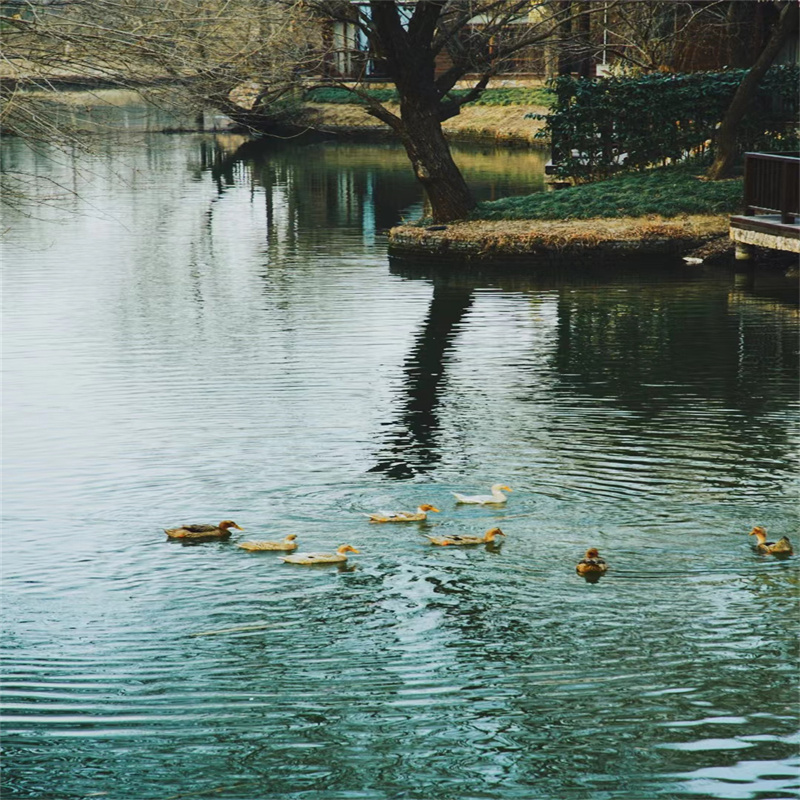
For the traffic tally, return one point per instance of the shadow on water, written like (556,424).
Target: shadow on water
(659,339)
(411,447)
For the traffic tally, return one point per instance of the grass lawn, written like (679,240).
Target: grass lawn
(666,191)
(508,96)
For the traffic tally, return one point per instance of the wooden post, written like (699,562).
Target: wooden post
(787,216)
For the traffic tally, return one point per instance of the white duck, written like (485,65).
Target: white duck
(495,498)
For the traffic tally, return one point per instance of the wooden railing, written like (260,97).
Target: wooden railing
(772,184)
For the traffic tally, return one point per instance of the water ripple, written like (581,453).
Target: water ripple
(214,363)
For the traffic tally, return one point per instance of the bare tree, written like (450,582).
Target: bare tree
(726,134)
(237,55)
(240,56)
(643,36)
(427,48)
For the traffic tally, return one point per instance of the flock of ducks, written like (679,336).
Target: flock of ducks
(591,566)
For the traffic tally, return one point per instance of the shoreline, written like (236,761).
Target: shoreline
(504,125)
(545,243)
(540,242)
(558,242)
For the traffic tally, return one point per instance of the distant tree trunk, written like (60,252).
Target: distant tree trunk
(565,56)
(725,144)
(583,26)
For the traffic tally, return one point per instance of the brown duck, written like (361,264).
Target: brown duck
(288,543)
(420,515)
(783,547)
(462,541)
(591,563)
(339,557)
(221,531)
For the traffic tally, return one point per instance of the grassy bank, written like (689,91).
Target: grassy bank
(506,96)
(498,124)
(667,213)
(666,191)
(501,115)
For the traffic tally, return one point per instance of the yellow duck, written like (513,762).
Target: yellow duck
(288,543)
(487,538)
(782,547)
(591,563)
(221,531)
(420,515)
(495,498)
(321,558)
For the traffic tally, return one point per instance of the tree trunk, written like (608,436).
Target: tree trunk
(407,50)
(421,133)
(725,143)
(565,56)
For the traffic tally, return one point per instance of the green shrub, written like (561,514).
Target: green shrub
(597,127)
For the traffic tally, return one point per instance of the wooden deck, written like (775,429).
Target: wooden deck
(772,209)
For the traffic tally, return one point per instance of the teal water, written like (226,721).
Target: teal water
(192,334)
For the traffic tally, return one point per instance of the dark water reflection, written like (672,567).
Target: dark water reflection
(205,333)
(414,431)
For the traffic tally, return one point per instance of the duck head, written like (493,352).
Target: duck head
(501,487)
(592,552)
(229,523)
(426,507)
(760,533)
(490,534)
(346,548)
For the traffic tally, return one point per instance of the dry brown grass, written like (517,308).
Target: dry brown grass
(502,123)
(523,235)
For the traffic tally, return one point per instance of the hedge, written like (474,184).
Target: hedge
(597,127)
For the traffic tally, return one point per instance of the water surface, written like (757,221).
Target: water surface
(196,335)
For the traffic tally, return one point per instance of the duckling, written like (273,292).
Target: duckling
(487,538)
(221,531)
(495,498)
(782,547)
(321,558)
(591,563)
(288,543)
(420,515)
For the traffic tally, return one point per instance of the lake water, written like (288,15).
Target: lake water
(194,333)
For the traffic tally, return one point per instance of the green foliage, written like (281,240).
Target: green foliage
(597,127)
(539,96)
(668,191)
(338,96)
